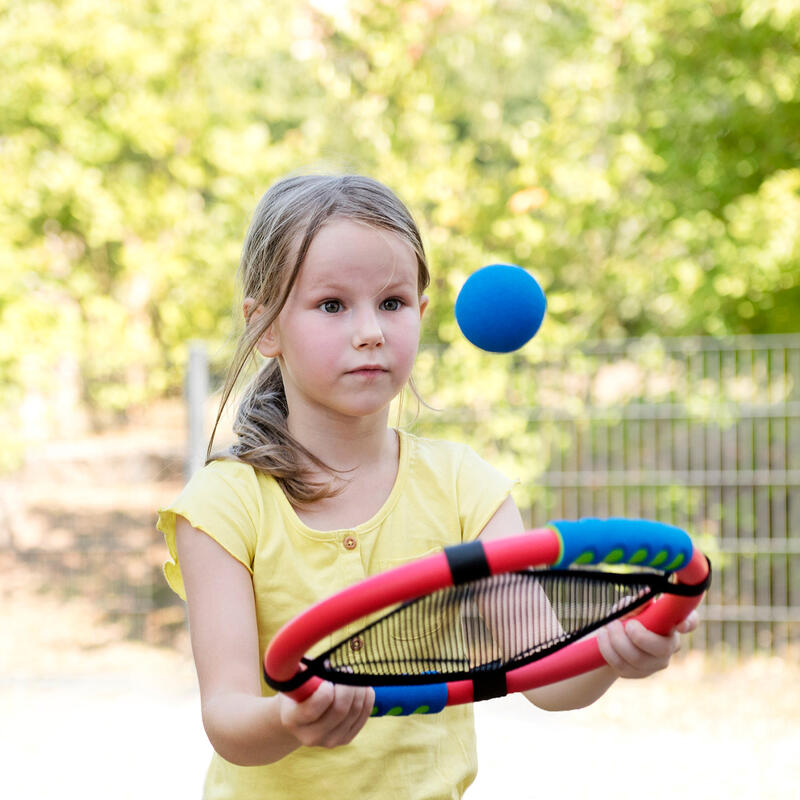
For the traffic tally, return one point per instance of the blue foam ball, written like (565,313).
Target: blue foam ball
(500,308)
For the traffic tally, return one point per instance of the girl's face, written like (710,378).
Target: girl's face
(348,334)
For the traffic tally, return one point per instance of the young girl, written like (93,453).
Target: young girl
(318,492)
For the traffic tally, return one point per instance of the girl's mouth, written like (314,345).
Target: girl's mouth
(368,371)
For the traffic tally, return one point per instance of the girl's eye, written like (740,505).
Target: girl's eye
(331,306)
(392,304)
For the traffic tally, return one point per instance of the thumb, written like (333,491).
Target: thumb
(314,706)
(689,624)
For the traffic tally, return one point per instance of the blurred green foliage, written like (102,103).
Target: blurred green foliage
(640,157)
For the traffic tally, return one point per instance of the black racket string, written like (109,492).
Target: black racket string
(495,623)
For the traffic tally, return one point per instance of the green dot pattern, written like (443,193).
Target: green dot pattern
(396,711)
(676,562)
(659,558)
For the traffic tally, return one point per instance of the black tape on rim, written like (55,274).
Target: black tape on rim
(489,686)
(467,562)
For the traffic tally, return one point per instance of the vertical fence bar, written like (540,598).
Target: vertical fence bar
(764,628)
(778,489)
(617,466)
(793,467)
(729,490)
(747,526)
(196,394)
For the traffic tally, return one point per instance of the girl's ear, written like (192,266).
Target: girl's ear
(267,343)
(423,304)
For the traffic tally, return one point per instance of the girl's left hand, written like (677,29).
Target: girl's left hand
(632,651)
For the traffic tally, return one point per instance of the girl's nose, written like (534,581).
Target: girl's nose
(368,332)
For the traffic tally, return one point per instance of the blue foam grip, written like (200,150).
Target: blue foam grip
(400,701)
(623,541)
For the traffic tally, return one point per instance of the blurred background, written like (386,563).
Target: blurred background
(641,158)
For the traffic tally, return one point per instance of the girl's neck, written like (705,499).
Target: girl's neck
(367,458)
(350,445)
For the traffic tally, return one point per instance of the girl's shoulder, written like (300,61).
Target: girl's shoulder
(227,482)
(228,468)
(451,480)
(228,474)
(454,465)
(440,454)
(225,499)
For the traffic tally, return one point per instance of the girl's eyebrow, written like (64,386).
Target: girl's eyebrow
(337,287)
(394,286)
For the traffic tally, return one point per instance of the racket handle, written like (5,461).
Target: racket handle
(392,701)
(400,701)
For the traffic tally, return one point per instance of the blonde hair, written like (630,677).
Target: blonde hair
(285,222)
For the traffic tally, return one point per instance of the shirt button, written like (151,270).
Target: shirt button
(350,543)
(356,643)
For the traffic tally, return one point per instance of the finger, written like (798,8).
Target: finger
(362,710)
(350,716)
(624,653)
(610,653)
(316,723)
(654,644)
(689,624)
(345,697)
(312,709)
(317,705)
(336,714)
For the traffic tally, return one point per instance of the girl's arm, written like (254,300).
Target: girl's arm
(242,726)
(630,651)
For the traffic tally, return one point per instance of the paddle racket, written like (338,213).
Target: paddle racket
(484,619)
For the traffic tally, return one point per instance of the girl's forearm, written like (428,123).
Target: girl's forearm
(247,730)
(577,692)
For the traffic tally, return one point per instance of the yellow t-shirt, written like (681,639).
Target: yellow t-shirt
(443,494)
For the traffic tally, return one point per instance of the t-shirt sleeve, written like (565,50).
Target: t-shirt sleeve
(481,491)
(223,500)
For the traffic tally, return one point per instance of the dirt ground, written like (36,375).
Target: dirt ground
(98,697)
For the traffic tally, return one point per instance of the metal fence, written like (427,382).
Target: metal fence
(701,433)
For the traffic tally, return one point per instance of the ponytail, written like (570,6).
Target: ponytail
(264,441)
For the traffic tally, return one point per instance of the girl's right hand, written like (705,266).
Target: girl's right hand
(330,717)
